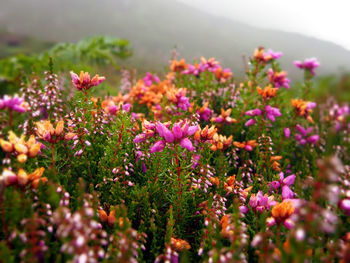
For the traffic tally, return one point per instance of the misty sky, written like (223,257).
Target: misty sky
(324,19)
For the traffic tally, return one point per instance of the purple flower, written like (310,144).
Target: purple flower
(187,144)
(278,79)
(345,205)
(14,103)
(243,209)
(286,192)
(261,202)
(313,139)
(302,138)
(194,69)
(157,147)
(250,122)
(272,112)
(284,183)
(273,54)
(140,138)
(286,132)
(275,184)
(289,180)
(164,132)
(309,64)
(126,107)
(149,79)
(177,131)
(255,112)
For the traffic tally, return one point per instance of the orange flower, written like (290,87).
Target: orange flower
(83,81)
(282,211)
(205,134)
(46,131)
(226,226)
(268,92)
(178,66)
(20,146)
(229,185)
(275,163)
(215,181)
(261,56)
(36,177)
(224,117)
(179,244)
(222,75)
(220,142)
(248,146)
(303,108)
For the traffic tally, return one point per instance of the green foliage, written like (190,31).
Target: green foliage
(86,54)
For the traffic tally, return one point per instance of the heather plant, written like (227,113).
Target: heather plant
(192,166)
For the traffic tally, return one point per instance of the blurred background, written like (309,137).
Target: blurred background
(149,30)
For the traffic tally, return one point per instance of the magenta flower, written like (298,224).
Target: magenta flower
(243,209)
(250,122)
(83,81)
(255,112)
(272,112)
(273,54)
(286,132)
(278,79)
(338,114)
(284,184)
(164,132)
(14,103)
(187,144)
(260,202)
(209,65)
(195,69)
(157,147)
(303,138)
(126,107)
(345,205)
(178,134)
(309,64)
(149,79)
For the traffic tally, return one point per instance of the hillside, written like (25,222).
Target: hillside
(156,27)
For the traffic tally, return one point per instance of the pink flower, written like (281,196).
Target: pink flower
(345,205)
(126,107)
(278,79)
(243,209)
(313,139)
(302,138)
(177,131)
(309,64)
(261,202)
(255,112)
(157,147)
(250,122)
(14,103)
(83,82)
(164,132)
(149,79)
(286,132)
(195,69)
(272,112)
(287,193)
(187,144)
(273,54)
(177,135)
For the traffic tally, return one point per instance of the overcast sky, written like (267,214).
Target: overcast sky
(328,20)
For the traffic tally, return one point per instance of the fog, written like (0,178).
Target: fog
(328,20)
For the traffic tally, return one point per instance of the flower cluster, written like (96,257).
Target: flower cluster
(189,165)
